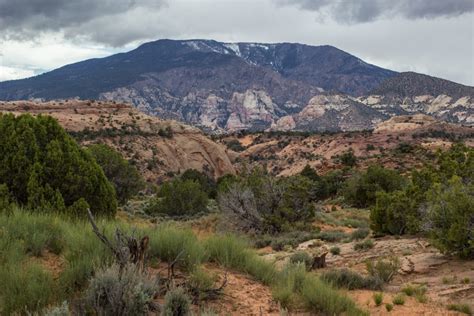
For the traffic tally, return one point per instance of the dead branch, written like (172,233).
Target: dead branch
(210,294)
(127,249)
(172,264)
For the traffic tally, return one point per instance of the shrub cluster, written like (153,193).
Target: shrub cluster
(360,190)
(179,197)
(111,291)
(42,167)
(302,258)
(439,201)
(115,291)
(351,280)
(261,203)
(207,183)
(323,186)
(124,176)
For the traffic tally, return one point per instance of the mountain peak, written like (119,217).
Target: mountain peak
(229,86)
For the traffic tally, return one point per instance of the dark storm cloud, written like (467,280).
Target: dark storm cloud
(26,18)
(398,34)
(348,11)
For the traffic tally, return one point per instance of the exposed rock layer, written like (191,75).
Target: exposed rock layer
(136,135)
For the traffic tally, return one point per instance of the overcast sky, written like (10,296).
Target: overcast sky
(435,37)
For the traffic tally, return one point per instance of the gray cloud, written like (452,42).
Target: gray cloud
(360,11)
(25,19)
(431,36)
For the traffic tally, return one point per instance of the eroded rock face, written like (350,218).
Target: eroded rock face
(285,123)
(155,155)
(442,107)
(406,123)
(337,113)
(248,108)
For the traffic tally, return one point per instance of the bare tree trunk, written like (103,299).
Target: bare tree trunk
(126,249)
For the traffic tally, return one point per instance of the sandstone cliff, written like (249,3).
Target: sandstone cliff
(158,147)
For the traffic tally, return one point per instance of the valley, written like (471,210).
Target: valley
(249,210)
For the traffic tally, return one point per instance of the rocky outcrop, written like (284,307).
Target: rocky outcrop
(158,147)
(442,107)
(406,123)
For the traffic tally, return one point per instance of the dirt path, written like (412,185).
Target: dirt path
(242,296)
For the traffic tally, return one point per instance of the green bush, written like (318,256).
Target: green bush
(235,145)
(360,233)
(279,244)
(332,235)
(177,303)
(84,253)
(178,198)
(356,223)
(37,233)
(351,280)
(323,186)
(5,198)
(388,307)
(462,308)
(227,250)
(170,243)
(348,158)
(335,250)
(409,290)
(383,269)
(115,291)
(223,183)
(438,201)
(303,258)
(418,291)
(450,216)
(207,183)
(288,284)
(318,297)
(395,213)
(398,299)
(24,288)
(294,285)
(364,245)
(360,190)
(124,176)
(310,173)
(292,239)
(44,168)
(404,148)
(378,299)
(232,252)
(199,282)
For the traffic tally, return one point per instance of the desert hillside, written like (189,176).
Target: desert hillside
(348,223)
(158,147)
(401,142)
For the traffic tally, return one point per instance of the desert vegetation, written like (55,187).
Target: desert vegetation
(342,242)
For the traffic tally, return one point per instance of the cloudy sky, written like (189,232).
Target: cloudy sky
(435,37)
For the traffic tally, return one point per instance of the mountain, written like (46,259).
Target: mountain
(230,86)
(410,84)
